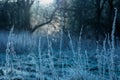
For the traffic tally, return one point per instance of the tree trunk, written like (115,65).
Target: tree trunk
(110,16)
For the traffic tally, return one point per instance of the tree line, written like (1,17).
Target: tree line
(95,15)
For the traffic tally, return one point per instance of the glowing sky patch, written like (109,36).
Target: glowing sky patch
(46,2)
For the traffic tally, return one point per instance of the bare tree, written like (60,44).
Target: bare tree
(18,13)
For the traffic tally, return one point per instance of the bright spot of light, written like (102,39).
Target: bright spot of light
(46,2)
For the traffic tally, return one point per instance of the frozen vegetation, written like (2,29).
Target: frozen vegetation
(60,57)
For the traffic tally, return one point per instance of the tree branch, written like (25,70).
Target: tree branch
(40,25)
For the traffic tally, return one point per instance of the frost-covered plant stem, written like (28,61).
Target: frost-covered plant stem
(60,52)
(50,54)
(40,71)
(86,62)
(99,59)
(112,74)
(103,59)
(9,54)
(61,40)
(80,40)
(79,48)
(71,44)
